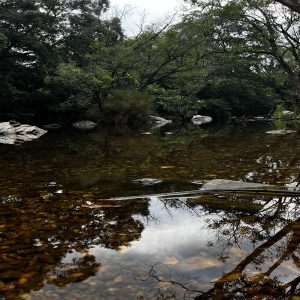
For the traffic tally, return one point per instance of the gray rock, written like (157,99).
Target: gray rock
(223,184)
(199,120)
(158,122)
(84,125)
(147,181)
(281,132)
(15,133)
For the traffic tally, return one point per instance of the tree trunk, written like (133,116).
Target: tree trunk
(101,98)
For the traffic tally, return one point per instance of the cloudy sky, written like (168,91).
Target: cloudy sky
(155,10)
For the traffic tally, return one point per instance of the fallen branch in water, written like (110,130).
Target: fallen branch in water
(267,192)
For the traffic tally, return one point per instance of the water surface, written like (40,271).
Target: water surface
(60,240)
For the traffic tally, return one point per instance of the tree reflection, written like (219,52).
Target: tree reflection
(237,284)
(272,224)
(265,229)
(36,234)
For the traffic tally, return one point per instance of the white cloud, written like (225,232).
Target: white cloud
(155,11)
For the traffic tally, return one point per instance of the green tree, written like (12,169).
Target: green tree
(267,32)
(38,36)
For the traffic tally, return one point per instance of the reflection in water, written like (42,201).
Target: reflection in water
(37,233)
(271,268)
(59,240)
(264,236)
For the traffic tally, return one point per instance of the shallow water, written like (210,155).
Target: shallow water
(60,240)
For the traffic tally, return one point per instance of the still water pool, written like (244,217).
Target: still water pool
(60,238)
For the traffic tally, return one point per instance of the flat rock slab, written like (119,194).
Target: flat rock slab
(281,132)
(223,184)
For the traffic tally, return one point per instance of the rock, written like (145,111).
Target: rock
(199,120)
(13,132)
(146,133)
(52,126)
(223,184)
(84,125)
(9,139)
(281,132)
(147,181)
(159,122)
(168,133)
(287,113)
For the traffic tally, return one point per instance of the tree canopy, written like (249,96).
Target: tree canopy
(63,59)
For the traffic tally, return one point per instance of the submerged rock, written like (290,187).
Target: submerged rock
(52,126)
(281,132)
(13,132)
(147,181)
(199,120)
(158,122)
(85,125)
(224,184)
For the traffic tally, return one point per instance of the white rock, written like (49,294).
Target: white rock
(287,113)
(281,132)
(199,120)
(13,133)
(159,122)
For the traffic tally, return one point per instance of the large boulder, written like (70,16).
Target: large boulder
(158,122)
(199,120)
(13,132)
(85,125)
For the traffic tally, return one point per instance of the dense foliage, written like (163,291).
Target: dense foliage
(62,60)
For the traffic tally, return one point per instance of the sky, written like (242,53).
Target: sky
(155,11)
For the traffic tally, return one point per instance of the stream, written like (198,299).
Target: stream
(61,238)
